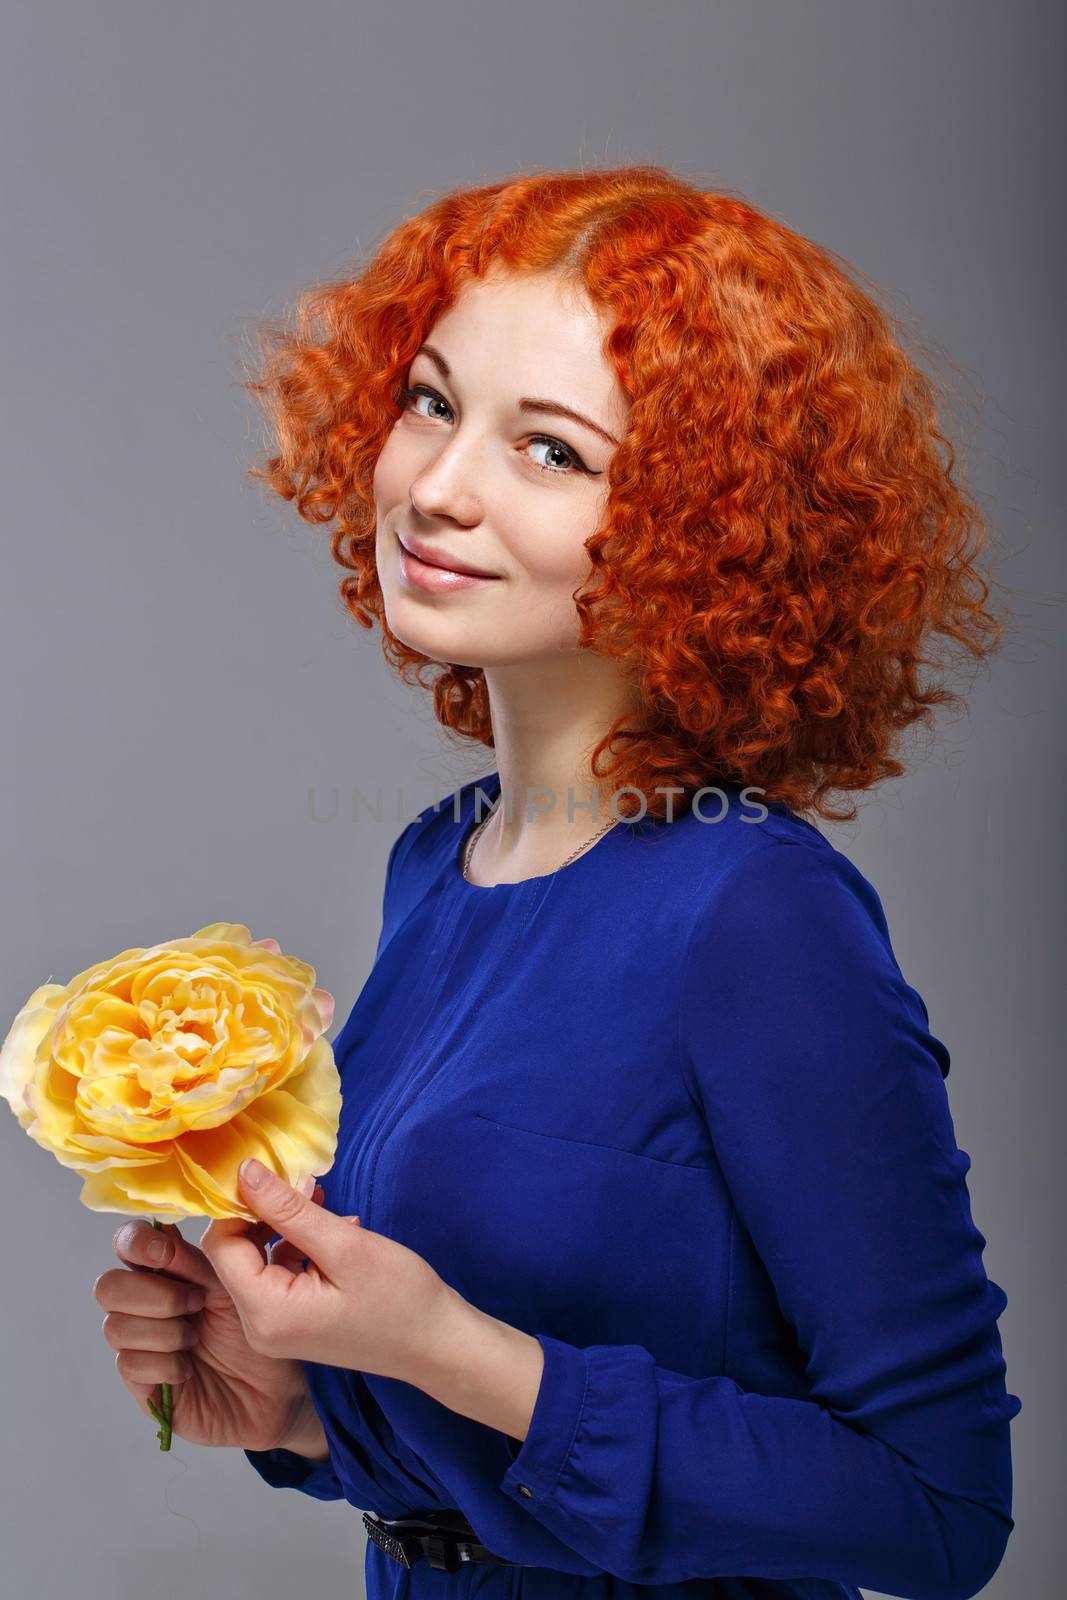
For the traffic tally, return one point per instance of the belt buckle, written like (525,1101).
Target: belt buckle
(393,1544)
(445,1550)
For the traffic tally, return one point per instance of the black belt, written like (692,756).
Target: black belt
(445,1538)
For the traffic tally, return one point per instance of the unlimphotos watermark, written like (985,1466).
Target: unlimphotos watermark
(393,806)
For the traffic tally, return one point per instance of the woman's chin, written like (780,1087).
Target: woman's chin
(433,642)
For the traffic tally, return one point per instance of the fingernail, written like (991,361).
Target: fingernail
(154,1249)
(253,1172)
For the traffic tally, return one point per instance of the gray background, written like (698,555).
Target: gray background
(186,695)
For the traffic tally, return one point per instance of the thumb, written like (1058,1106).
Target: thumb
(172,1254)
(234,1248)
(293,1213)
(292,1256)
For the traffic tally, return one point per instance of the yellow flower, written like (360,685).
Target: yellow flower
(158,1071)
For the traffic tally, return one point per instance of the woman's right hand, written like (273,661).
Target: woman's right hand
(180,1326)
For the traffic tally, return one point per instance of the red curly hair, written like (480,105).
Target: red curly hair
(784,535)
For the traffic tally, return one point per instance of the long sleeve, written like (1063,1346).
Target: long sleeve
(284,1469)
(823,1092)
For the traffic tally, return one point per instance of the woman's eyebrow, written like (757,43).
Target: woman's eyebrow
(552,408)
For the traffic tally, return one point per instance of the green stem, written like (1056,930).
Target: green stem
(165,1416)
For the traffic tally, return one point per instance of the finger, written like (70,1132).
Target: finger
(298,1219)
(239,1254)
(143,1370)
(126,1332)
(140,1245)
(259,1231)
(277,1251)
(147,1294)
(292,1256)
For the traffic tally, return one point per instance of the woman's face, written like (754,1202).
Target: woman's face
(481,468)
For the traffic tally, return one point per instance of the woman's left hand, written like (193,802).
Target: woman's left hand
(364,1300)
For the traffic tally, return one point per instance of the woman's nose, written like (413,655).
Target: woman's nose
(449,486)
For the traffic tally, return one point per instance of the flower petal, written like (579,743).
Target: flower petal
(17,1056)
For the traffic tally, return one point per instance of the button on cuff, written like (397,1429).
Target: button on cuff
(535,1470)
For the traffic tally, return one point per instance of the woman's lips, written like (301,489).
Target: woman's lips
(435,579)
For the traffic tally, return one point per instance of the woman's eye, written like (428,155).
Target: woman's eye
(421,391)
(554,445)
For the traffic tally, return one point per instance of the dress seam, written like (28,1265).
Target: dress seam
(723,1362)
(592,1144)
(577,1429)
(416,1085)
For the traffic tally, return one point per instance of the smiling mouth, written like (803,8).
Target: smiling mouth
(428,575)
(428,560)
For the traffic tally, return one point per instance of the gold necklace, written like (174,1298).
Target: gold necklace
(473,840)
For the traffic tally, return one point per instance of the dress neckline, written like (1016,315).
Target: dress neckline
(491,786)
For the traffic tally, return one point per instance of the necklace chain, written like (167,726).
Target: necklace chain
(473,840)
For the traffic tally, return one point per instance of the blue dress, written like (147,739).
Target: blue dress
(673,1110)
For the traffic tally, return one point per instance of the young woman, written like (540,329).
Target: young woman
(643,484)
